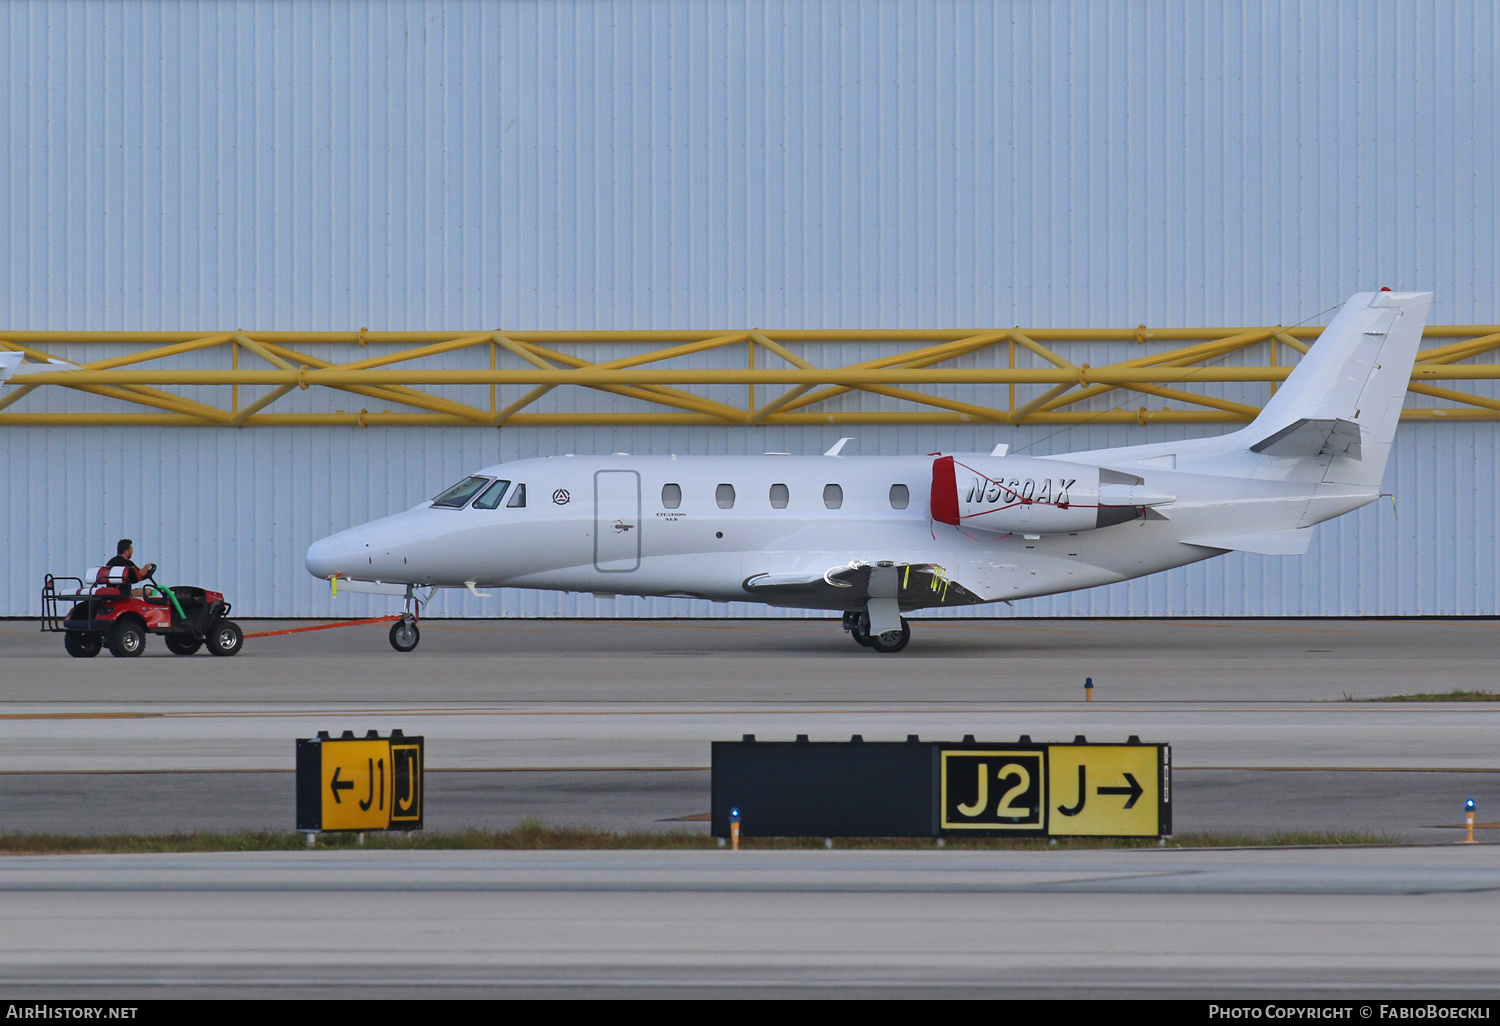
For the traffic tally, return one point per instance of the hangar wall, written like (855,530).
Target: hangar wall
(237,510)
(328,165)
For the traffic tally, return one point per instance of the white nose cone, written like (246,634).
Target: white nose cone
(320,559)
(334,555)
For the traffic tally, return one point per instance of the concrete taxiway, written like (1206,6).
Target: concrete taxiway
(608,724)
(781,661)
(1362,924)
(567,720)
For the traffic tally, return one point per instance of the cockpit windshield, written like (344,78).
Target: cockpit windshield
(492,496)
(459,495)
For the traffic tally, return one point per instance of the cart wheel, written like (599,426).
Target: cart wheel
(225,638)
(183,644)
(404,636)
(82,646)
(127,640)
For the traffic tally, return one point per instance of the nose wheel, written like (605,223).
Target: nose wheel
(405,635)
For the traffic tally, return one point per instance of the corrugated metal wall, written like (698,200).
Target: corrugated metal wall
(237,510)
(322,165)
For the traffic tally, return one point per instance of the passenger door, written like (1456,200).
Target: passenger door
(617,521)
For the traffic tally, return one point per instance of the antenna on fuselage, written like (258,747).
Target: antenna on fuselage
(838,446)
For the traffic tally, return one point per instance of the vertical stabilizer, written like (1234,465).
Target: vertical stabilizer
(1344,399)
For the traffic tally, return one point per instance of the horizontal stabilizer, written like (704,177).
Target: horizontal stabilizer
(1273,543)
(8,364)
(1307,438)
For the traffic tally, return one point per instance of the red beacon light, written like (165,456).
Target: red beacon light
(1385,288)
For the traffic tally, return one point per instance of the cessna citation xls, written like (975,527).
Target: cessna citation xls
(874,537)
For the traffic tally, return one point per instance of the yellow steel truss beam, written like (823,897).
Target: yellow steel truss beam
(406,369)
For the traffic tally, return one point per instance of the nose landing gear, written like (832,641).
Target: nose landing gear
(404,632)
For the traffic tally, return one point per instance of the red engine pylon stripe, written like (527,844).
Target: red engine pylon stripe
(944,491)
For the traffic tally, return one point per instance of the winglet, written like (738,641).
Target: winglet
(838,447)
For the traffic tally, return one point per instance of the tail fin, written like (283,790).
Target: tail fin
(1344,399)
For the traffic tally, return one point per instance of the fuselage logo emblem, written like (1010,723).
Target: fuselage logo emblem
(561,497)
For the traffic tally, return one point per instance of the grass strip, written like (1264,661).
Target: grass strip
(536,835)
(1456,695)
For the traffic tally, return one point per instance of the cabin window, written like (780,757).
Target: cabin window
(490,498)
(900,496)
(724,496)
(459,495)
(671,496)
(833,496)
(517,498)
(779,496)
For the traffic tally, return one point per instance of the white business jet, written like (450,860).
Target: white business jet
(875,537)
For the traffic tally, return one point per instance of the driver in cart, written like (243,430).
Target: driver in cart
(124,550)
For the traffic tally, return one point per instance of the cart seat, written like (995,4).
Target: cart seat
(112,580)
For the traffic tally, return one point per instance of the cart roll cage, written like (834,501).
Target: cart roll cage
(52,619)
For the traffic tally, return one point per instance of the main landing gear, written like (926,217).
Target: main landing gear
(404,632)
(857,623)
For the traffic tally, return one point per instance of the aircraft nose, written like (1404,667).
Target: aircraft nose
(328,557)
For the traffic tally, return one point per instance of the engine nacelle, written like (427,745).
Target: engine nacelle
(1023,495)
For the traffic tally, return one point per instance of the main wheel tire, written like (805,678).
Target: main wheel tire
(858,625)
(183,644)
(892,641)
(404,635)
(82,646)
(852,621)
(127,640)
(225,638)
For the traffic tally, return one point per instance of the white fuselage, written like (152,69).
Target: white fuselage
(601,538)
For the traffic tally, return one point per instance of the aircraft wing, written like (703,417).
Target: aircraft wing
(852,584)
